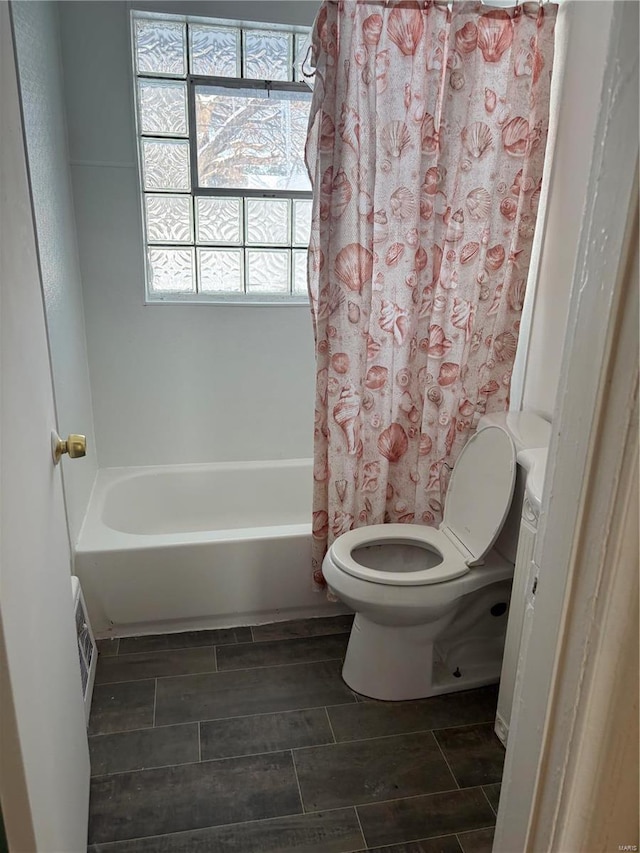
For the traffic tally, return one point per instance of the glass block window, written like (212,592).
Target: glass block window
(222,113)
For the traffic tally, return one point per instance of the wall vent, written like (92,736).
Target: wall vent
(87,650)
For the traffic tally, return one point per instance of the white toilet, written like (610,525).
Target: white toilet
(431,604)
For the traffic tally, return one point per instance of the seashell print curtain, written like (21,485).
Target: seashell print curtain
(426,145)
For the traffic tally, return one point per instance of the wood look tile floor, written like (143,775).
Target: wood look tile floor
(246,740)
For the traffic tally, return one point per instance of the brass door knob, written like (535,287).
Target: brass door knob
(75,446)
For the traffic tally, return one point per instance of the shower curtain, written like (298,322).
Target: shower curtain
(425,148)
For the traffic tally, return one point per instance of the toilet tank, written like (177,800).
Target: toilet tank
(528,431)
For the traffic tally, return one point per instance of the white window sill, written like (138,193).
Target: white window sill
(254,302)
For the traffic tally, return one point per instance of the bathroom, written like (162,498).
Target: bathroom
(202,385)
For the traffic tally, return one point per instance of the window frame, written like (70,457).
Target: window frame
(195,191)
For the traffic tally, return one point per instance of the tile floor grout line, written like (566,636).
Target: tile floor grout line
(207,760)
(455,778)
(223,672)
(250,754)
(273,665)
(333,734)
(284,751)
(280,817)
(148,729)
(174,648)
(223,719)
(419,841)
(199,743)
(475,829)
(407,732)
(462,726)
(324,637)
(153,678)
(409,797)
(324,708)
(295,773)
(142,769)
(380,737)
(495,811)
(158,652)
(397,799)
(296,814)
(364,840)
(162,835)
(136,681)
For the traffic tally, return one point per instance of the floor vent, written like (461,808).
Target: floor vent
(87,651)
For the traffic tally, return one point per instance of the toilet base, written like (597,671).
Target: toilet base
(399,663)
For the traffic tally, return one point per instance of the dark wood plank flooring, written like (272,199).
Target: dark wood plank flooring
(247,739)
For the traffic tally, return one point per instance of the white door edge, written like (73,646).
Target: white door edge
(532,782)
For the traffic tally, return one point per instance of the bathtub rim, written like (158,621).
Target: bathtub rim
(95,536)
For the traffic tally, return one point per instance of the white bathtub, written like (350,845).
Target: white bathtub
(198,546)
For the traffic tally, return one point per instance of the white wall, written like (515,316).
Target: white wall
(170,383)
(581,45)
(39,66)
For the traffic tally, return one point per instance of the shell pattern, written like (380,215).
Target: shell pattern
(372,29)
(469,252)
(395,137)
(341,192)
(393,442)
(479,204)
(495,34)
(429,136)
(345,414)
(516,137)
(467,38)
(425,150)
(437,344)
(395,320)
(494,257)
(403,203)
(405,28)
(354,266)
(477,138)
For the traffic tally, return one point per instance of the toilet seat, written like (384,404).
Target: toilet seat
(452,563)
(478,500)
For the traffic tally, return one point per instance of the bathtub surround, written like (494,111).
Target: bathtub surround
(423,216)
(198,546)
(185,381)
(262,756)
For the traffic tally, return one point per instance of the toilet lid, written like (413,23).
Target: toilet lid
(480,491)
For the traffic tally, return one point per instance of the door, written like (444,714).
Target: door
(44,762)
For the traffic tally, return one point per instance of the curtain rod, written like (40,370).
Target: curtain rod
(448,4)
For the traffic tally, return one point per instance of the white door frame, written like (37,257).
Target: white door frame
(585,487)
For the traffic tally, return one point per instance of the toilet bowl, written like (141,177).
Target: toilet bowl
(431,604)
